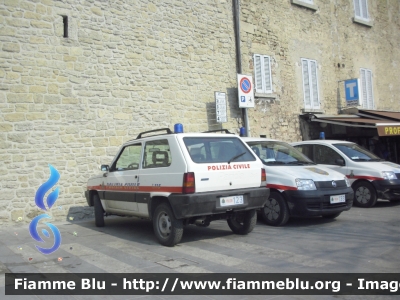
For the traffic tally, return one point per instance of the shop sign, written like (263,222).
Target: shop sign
(352,89)
(389,130)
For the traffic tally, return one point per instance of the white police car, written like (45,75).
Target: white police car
(298,186)
(370,176)
(179,178)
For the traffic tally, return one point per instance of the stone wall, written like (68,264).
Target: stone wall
(126,67)
(288,32)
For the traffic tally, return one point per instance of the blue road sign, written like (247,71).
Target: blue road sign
(351,88)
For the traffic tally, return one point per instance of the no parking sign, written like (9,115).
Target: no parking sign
(245,91)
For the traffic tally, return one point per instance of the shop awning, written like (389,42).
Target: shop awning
(379,114)
(385,127)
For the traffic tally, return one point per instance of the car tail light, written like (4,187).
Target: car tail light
(189,186)
(263,176)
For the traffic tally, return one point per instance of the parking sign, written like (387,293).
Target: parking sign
(245,91)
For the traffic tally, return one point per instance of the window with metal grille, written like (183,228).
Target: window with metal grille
(262,74)
(361,9)
(366,89)
(310,83)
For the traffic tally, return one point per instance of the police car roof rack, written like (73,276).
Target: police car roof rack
(168,131)
(218,130)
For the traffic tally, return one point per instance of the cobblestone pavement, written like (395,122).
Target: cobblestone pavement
(360,240)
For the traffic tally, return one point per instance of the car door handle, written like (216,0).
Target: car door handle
(105,175)
(136,177)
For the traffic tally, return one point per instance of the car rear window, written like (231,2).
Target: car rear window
(217,149)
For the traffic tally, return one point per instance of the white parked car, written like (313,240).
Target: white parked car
(176,179)
(298,186)
(371,177)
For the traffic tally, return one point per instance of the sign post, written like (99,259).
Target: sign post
(220,107)
(245,91)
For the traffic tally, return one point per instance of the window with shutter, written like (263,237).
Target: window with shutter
(310,84)
(361,9)
(306,3)
(366,87)
(262,74)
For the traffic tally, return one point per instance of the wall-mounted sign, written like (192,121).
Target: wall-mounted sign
(388,130)
(245,91)
(352,89)
(220,107)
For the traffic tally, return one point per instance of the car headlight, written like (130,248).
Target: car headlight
(305,184)
(388,175)
(347,181)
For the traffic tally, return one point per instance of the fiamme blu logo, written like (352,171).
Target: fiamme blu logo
(50,200)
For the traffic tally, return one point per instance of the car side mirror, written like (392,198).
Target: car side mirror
(340,162)
(104,168)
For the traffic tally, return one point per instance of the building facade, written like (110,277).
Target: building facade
(312,47)
(78,78)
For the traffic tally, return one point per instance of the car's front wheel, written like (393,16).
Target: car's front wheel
(243,223)
(275,211)
(167,228)
(364,194)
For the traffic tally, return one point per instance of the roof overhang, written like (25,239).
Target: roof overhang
(380,114)
(384,127)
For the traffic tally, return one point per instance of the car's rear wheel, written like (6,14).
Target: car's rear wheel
(167,228)
(331,216)
(243,223)
(98,211)
(364,194)
(275,211)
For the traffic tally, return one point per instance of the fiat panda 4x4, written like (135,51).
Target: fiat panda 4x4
(176,179)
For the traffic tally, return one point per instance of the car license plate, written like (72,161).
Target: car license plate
(338,199)
(232,200)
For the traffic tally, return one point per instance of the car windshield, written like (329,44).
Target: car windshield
(278,153)
(217,150)
(356,153)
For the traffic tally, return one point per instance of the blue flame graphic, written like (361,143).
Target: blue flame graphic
(45,187)
(51,199)
(35,234)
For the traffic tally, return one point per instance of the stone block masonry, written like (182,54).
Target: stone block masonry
(125,67)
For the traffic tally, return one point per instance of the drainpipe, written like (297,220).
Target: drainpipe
(236,21)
